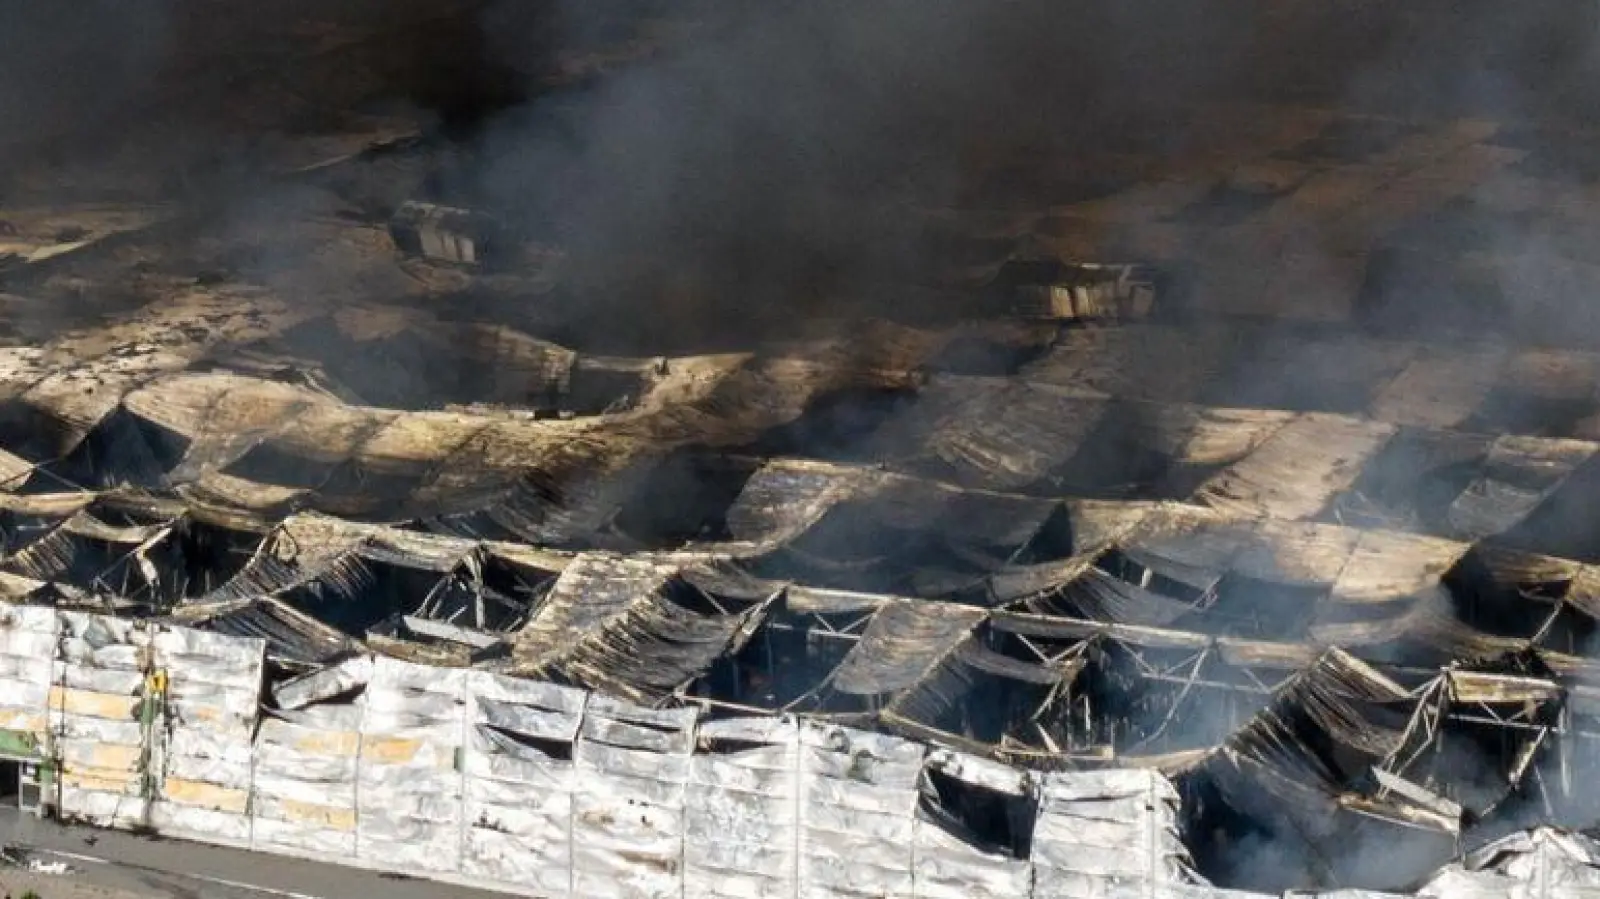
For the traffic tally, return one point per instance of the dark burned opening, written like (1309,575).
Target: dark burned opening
(10,782)
(1408,292)
(88,563)
(730,745)
(1118,461)
(18,529)
(836,425)
(557,750)
(789,654)
(523,585)
(1413,481)
(686,498)
(854,548)
(456,600)
(268,463)
(33,435)
(1511,411)
(416,369)
(1564,525)
(383,372)
(1249,827)
(1226,843)
(1055,539)
(593,390)
(1472,766)
(123,449)
(371,592)
(987,699)
(190,559)
(1507,605)
(705,603)
(199,557)
(1130,571)
(1250,608)
(1149,701)
(994,821)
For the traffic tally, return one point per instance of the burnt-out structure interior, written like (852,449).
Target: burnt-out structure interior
(1238,420)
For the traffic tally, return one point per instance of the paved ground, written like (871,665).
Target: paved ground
(110,865)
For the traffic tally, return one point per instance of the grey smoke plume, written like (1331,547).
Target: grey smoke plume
(771,166)
(774,162)
(65,65)
(769,169)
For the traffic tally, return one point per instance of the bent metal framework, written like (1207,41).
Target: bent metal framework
(1071,598)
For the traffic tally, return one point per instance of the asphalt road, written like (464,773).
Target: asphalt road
(161,867)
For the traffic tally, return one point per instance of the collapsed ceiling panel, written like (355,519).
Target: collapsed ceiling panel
(1136,483)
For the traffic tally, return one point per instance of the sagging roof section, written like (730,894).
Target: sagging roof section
(1306,573)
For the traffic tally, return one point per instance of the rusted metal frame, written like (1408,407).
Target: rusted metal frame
(1544,795)
(1062,686)
(1520,769)
(1044,735)
(1037,652)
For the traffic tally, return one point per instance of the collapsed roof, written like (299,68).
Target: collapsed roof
(1237,635)
(1340,586)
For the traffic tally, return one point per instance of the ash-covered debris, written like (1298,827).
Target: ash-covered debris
(1016,564)
(591,495)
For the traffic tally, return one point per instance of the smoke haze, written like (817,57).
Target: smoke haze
(779,161)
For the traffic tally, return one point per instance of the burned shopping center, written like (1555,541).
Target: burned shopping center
(550,499)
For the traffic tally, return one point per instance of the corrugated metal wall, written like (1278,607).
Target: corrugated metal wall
(538,788)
